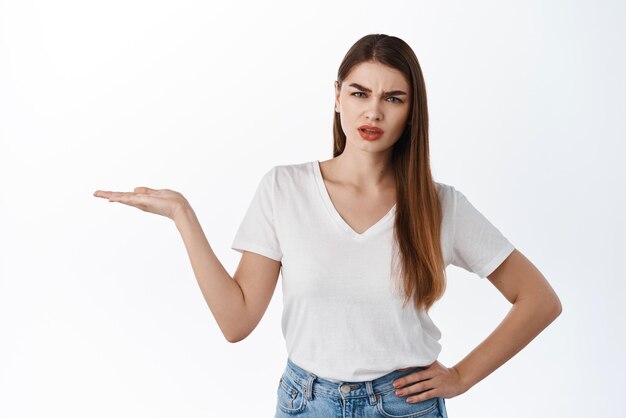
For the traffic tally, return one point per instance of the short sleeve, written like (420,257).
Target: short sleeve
(478,246)
(257,231)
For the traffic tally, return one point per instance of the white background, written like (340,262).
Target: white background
(100,313)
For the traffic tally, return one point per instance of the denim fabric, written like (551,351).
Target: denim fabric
(302,393)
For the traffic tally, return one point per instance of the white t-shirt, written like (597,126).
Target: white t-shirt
(342,316)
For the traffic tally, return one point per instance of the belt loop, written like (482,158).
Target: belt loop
(309,386)
(370,392)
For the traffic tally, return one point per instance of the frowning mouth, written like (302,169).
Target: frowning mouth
(371,129)
(370,133)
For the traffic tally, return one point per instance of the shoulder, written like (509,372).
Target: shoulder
(288,173)
(447,193)
(452,200)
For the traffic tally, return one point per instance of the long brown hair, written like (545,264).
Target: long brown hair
(417,228)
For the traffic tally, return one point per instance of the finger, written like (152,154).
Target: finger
(144,190)
(102,193)
(131,199)
(429,394)
(414,387)
(413,377)
(106,194)
(125,197)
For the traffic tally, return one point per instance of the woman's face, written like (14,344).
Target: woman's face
(376,95)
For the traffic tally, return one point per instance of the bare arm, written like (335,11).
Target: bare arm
(535,306)
(221,293)
(237,303)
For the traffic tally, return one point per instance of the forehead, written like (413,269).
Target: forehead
(377,76)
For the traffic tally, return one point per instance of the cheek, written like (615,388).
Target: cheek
(350,117)
(347,125)
(349,109)
(403,119)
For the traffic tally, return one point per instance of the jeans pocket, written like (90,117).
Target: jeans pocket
(394,406)
(442,408)
(290,398)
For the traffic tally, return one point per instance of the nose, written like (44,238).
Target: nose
(373,112)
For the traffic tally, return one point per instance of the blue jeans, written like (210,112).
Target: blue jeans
(302,393)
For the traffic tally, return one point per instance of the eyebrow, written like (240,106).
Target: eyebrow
(386,93)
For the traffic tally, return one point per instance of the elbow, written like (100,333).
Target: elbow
(553,307)
(232,334)
(550,308)
(558,308)
(235,338)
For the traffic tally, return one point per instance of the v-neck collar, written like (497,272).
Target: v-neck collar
(317,174)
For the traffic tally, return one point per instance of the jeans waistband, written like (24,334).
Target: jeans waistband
(344,389)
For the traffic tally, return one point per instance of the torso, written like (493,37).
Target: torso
(360,211)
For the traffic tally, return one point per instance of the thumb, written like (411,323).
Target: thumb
(144,190)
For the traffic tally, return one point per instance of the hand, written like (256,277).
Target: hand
(163,202)
(434,381)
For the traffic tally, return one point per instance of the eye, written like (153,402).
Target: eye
(398,100)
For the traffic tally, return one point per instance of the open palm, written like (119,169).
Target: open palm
(163,202)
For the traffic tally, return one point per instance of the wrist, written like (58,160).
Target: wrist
(183,212)
(464,380)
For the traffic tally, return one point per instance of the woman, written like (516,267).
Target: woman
(357,238)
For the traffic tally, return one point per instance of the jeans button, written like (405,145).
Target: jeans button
(345,388)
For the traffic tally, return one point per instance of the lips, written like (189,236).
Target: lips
(371,129)
(370,133)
